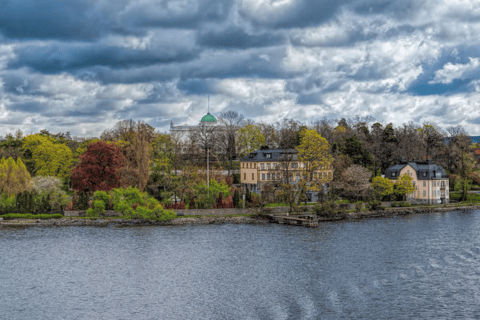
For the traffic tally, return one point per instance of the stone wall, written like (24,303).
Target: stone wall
(215,212)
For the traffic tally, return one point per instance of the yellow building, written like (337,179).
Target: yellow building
(276,166)
(430,181)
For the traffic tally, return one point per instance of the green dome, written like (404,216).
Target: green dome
(208,118)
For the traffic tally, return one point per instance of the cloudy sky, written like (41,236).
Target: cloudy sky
(83,65)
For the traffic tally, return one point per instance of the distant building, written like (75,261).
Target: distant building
(430,181)
(272,166)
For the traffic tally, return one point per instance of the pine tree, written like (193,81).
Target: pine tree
(236,199)
(248,197)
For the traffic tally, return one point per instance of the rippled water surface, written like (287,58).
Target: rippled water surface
(421,266)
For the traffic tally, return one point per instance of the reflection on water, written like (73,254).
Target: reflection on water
(420,266)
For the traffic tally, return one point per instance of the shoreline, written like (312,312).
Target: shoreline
(262,218)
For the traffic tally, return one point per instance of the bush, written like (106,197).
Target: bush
(375,205)
(401,204)
(123,208)
(358,206)
(103,196)
(7,204)
(326,208)
(133,196)
(98,209)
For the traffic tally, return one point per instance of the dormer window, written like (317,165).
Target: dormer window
(424,174)
(268,155)
(394,174)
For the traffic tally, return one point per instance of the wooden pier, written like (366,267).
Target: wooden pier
(307,221)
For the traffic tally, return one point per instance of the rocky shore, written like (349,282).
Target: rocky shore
(259,219)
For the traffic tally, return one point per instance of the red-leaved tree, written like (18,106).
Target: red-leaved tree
(98,168)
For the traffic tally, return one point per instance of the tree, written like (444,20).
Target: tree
(467,166)
(354,182)
(249,139)
(47,157)
(98,168)
(404,186)
(314,152)
(14,177)
(356,151)
(382,187)
(143,152)
(231,122)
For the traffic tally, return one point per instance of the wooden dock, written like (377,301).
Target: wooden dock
(304,221)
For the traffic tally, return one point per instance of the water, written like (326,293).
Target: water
(420,266)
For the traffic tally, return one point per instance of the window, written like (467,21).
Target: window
(255,165)
(268,156)
(263,176)
(278,176)
(394,174)
(253,176)
(274,165)
(424,193)
(262,166)
(424,184)
(424,174)
(268,176)
(268,166)
(244,176)
(294,165)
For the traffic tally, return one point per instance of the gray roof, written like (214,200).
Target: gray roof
(276,155)
(425,170)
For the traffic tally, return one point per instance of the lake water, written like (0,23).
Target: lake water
(415,267)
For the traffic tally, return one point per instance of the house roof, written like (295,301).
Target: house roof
(426,170)
(275,155)
(477,152)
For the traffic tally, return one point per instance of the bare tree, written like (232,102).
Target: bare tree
(231,121)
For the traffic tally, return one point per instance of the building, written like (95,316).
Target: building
(430,181)
(276,166)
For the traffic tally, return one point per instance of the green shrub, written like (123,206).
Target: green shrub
(103,196)
(152,203)
(375,205)
(98,209)
(325,208)
(133,196)
(358,206)
(123,208)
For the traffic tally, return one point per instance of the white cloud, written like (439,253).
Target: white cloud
(450,71)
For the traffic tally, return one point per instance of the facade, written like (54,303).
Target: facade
(274,167)
(430,181)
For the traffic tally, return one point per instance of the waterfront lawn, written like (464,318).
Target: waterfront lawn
(471,197)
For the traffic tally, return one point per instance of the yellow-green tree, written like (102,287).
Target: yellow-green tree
(404,186)
(314,152)
(250,138)
(382,187)
(47,157)
(14,177)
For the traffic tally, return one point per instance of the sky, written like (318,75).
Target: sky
(83,65)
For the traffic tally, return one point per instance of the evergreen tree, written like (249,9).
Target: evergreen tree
(248,197)
(236,199)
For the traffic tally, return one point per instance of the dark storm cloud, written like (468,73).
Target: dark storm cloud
(197,86)
(51,19)
(61,57)
(237,38)
(306,13)
(176,14)
(28,107)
